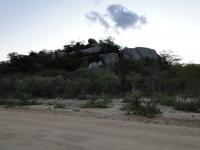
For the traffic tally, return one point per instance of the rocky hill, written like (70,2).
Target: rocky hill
(73,56)
(112,56)
(96,68)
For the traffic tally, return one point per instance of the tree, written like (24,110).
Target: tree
(32,54)
(92,41)
(168,58)
(13,56)
(109,46)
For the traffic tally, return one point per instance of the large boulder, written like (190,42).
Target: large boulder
(110,58)
(95,65)
(139,53)
(95,49)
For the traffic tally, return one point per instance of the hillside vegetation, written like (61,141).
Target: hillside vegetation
(67,73)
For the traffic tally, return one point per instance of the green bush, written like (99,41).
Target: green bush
(98,103)
(107,82)
(3,102)
(190,106)
(37,86)
(11,103)
(135,103)
(58,105)
(22,95)
(18,102)
(164,99)
(25,102)
(71,89)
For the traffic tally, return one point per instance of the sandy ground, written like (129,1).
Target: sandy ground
(73,108)
(26,130)
(114,111)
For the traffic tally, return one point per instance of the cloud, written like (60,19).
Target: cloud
(96,1)
(124,18)
(121,17)
(96,17)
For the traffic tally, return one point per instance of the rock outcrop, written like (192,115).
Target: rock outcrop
(95,65)
(110,58)
(139,53)
(95,49)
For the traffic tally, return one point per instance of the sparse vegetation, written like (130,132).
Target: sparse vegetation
(136,103)
(18,102)
(64,73)
(102,103)
(60,106)
(187,105)
(164,99)
(3,102)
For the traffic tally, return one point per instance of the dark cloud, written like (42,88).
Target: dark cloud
(120,16)
(96,17)
(124,18)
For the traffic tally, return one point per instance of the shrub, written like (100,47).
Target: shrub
(17,102)
(71,89)
(92,97)
(189,106)
(21,95)
(58,105)
(135,103)
(107,82)
(38,86)
(11,103)
(3,102)
(151,109)
(98,104)
(164,99)
(25,102)
(7,85)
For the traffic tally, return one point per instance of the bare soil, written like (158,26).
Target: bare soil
(33,130)
(74,108)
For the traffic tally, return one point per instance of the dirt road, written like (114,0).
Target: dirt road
(42,131)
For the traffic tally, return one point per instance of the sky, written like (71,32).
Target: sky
(27,25)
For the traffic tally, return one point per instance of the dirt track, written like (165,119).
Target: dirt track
(40,131)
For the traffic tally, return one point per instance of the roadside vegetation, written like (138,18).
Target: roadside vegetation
(98,103)
(59,106)
(46,74)
(189,105)
(18,102)
(139,104)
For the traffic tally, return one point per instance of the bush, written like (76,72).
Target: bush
(189,106)
(17,102)
(98,103)
(38,86)
(7,85)
(72,89)
(135,103)
(22,95)
(58,105)
(164,99)
(107,83)
(3,102)
(11,103)
(25,102)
